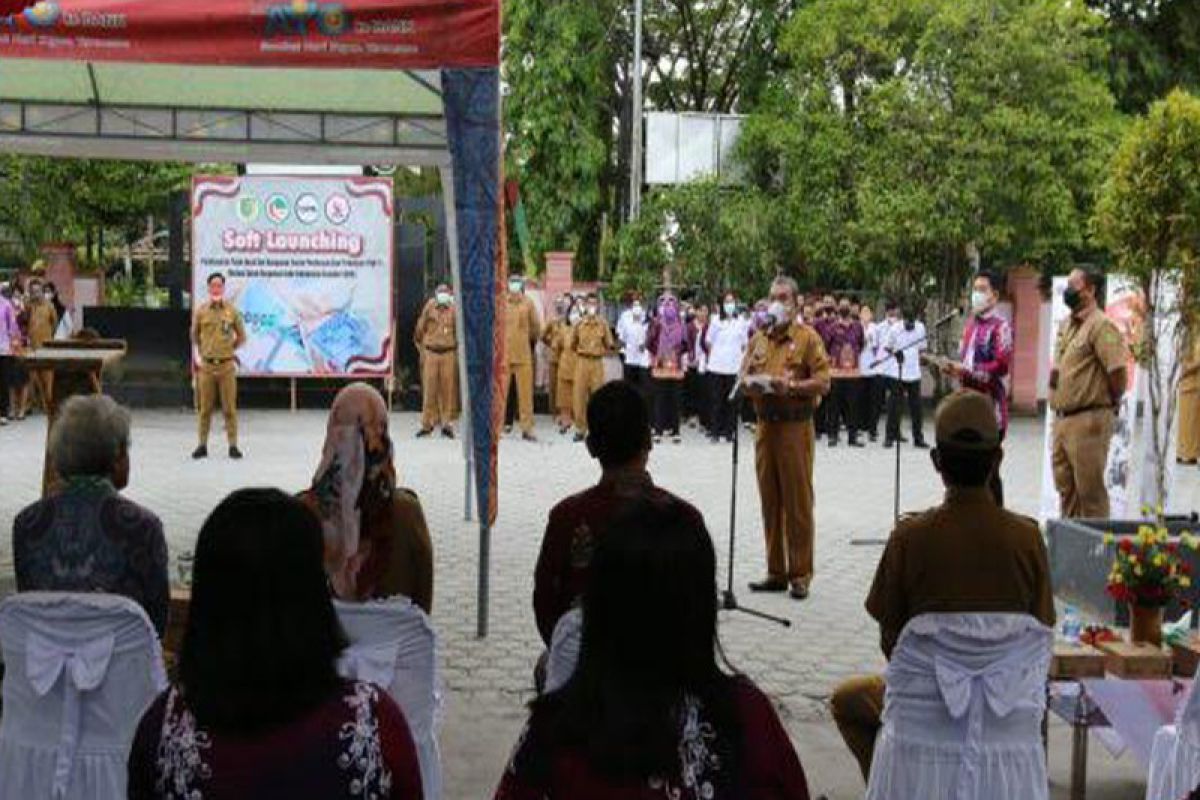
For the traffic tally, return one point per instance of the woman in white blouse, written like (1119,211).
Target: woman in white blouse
(727,338)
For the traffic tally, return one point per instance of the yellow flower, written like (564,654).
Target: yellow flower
(1138,571)
(1117,578)
(1185,581)
(1133,558)
(1159,560)
(1109,538)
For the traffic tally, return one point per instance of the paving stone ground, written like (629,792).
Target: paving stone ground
(488,681)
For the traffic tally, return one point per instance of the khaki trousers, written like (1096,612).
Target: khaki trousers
(213,382)
(783,459)
(437,388)
(857,706)
(552,387)
(1079,455)
(523,373)
(589,376)
(1189,425)
(43,388)
(564,396)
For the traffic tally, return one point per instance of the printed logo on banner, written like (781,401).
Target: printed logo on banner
(44,14)
(278,209)
(308,209)
(301,17)
(337,209)
(248,208)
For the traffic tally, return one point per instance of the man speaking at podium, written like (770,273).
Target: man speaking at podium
(785,373)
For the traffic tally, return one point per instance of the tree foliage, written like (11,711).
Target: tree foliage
(1154,46)
(1149,216)
(910,137)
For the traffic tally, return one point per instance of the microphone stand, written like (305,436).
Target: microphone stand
(729,601)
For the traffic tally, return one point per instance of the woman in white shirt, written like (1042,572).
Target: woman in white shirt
(635,359)
(727,338)
(871,397)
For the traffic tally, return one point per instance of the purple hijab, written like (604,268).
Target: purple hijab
(671,331)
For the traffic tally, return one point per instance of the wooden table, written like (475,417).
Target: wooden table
(77,366)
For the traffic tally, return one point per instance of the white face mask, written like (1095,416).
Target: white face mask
(980,300)
(638,311)
(574,317)
(779,313)
(730,308)
(515,286)
(443,298)
(591,311)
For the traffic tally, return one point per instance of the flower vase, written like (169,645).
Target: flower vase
(1145,624)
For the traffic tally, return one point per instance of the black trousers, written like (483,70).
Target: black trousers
(870,404)
(695,397)
(668,395)
(722,409)
(7,367)
(911,390)
(843,408)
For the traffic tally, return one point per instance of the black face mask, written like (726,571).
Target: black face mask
(1072,298)
(843,312)
(909,324)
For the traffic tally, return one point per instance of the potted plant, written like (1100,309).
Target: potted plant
(1148,572)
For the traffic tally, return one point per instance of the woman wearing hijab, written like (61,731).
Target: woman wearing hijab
(376,541)
(668,344)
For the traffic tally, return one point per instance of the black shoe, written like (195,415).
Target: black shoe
(421,434)
(920,444)
(1187,462)
(579,437)
(508,428)
(854,442)
(234,452)
(529,437)
(873,436)
(200,452)
(902,439)
(798,591)
(769,585)
(889,443)
(833,442)
(447,432)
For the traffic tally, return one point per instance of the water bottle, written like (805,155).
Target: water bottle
(1071,626)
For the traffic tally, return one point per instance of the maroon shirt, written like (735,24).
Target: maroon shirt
(769,767)
(355,745)
(570,540)
(843,335)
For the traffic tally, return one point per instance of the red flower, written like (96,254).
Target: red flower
(1126,546)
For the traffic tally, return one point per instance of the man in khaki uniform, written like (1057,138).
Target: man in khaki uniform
(437,342)
(1086,385)
(43,320)
(592,341)
(521,331)
(549,337)
(1189,401)
(786,370)
(217,333)
(967,555)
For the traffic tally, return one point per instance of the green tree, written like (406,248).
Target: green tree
(912,139)
(1154,46)
(1149,215)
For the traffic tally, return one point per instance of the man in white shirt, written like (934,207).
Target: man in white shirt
(726,340)
(631,333)
(907,338)
(872,394)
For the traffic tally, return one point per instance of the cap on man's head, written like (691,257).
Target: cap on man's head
(965,420)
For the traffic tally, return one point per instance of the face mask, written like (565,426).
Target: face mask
(729,309)
(591,311)
(49,295)
(980,300)
(574,317)
(844,313)
(909,324)
(638,311)
(443,298)
(216,291)
(779,313)
(670,312)
(1072,298)
(515,286)
(35,294)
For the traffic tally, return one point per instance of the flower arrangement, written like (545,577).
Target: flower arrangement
(1149,569)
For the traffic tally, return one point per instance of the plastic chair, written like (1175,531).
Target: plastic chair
(393,645)
(966,696)
(80,669)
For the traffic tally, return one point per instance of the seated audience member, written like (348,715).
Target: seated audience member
(87,537)
(648,712)
(259,710)
(619,438)
(376,541)
(967,555)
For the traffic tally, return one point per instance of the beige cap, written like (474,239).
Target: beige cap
(966,420)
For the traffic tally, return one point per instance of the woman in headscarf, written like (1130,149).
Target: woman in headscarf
(668,344)
(376,541)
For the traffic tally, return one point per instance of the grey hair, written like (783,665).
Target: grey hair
(789,282)
(89,436)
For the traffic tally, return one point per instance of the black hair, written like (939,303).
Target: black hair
(965,467)
(994,280)
(649,651)
(891,305)
(1092,277)
(618,424)
(212,277)
(262,637)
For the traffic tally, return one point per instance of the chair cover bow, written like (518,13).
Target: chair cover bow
(83,668)
(1000,685)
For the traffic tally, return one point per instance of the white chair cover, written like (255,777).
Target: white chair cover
(1175,758)
(564,650)
(79,671)
(393,645)
(966,695)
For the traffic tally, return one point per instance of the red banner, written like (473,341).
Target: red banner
(375,34)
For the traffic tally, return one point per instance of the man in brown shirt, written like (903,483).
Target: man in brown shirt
(521,331)
(1086,385)
(43,319)
(217,333)
(592,341)
(967,555)
(786,370)
(437,342)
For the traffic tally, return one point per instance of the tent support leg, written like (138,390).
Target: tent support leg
(293,388)
(485,547)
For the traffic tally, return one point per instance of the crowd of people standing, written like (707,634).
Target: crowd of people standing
(30,315)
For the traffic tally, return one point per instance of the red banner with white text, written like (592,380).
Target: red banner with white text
(370,34)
